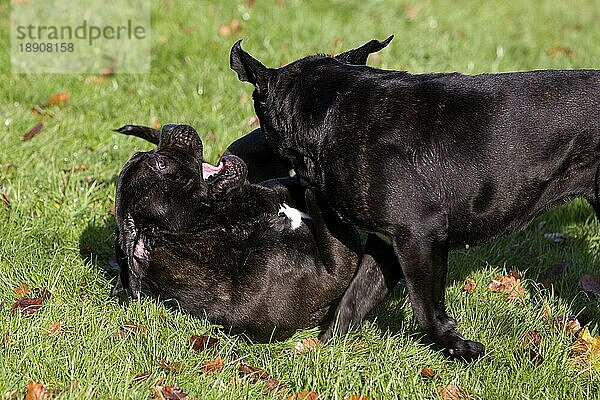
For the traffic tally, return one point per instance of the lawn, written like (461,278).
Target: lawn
(58,188)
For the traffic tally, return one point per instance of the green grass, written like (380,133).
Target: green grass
(54,214)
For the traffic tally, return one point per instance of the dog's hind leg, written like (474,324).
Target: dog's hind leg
(377,275)
(422,249)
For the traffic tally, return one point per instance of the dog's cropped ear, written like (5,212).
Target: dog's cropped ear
(248,68)
(359,55)
(131,254)
(145,132)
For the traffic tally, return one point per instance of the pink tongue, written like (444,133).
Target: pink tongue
(209,170)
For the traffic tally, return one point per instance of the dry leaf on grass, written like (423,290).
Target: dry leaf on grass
(36,391)
(531,341)
(585,351)
(233,26)
(209,367)
(169,366)
(33,132)
(22,290)
(357,397)
(141,377)
(5,199)
(304,395)
(27,305)
(306,345)
(253,373)
(203,342)
(171,392)
(427,372)
(469,285)
(510,284)
(155,123)
(55,328)
(455,392)
(273,385)
(557,51)
(590,284)
(568,325)
(411,12)
(58,99)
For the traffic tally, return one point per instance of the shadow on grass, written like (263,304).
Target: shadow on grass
(96,246)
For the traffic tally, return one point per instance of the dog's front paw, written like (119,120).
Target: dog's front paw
(466,350)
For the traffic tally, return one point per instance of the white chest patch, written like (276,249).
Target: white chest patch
(295,216)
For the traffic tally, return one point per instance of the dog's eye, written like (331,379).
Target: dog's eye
(160,163)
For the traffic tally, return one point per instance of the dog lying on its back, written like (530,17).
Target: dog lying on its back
(432,162)
(220,247)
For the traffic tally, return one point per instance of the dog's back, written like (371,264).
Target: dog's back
(496,149)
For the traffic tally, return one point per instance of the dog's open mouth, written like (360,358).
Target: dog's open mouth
(209,171)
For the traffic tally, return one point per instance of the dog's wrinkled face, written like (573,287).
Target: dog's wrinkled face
(171,187)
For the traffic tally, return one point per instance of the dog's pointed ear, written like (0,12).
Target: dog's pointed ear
(248,68)
(359,55)
(145,132)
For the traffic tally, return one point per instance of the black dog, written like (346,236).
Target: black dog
(432,161)
(226,249)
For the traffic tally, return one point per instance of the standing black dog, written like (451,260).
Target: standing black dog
(432,161)
(226,249)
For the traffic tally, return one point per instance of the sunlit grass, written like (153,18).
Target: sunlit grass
(57,231)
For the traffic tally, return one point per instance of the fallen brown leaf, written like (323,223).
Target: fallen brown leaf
(169,393)
(27,305)
(273,385)
(55,328)
(155,122)
(304,395)
(33,132)
(169,366)
(427,372)
(531,341)
(509,284)
(569,324)
(209,367)
(590,284)
(5,198)
(36,391)
(58,99)
(203,342)
(306,345)
(586,344)
(22,290)
(455,392)
(557,51)
(357,397)
(469,285)
(233,26)
(411,12)
(142,376)
(43,293)
(253,373)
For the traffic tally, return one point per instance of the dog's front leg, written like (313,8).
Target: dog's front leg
(377,275)
(422,249)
